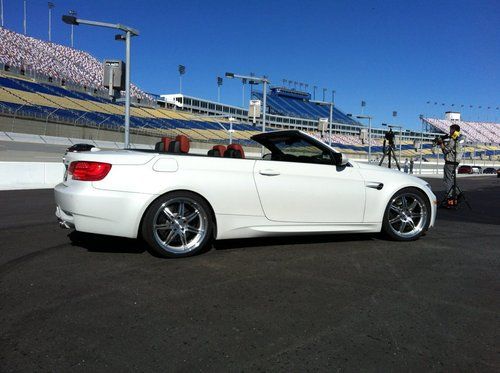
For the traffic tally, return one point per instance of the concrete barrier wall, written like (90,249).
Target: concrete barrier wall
(30,175)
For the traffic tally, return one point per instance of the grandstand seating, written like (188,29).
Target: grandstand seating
(483,132)
(25,97)
(289,105)
(54,61)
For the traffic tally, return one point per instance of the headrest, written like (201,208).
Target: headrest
(238,148)
(220,149)
(162,146)
(183,143)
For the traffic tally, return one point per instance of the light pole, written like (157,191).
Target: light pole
(314,92)
(243,83)
(1,12)
(330,119)
(72,13)
(129,32)
(324,92)
(182,71)
(256,79)
(219,84)
(51,6)
(333,96)
(369,134)
(421,140)
(24,16)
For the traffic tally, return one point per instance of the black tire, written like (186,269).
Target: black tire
(401,222)
(172,231)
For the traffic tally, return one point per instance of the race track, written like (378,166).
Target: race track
(75,302)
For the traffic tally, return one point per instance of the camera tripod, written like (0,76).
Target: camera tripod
(390,152)
(454,196)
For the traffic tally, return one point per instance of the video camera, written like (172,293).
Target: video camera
(438,140)
(389,136)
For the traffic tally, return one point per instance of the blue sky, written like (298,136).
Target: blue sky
(395,55)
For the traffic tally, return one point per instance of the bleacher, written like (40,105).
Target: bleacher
(26,98)
(288,102)
(478,132)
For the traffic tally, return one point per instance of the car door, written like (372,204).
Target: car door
(310,193)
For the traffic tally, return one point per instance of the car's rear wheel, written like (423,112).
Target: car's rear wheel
(407,215)
(178,224)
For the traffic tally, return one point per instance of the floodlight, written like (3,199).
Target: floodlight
(70,20)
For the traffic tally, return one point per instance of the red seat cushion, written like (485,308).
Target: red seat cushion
(166,142)
(237,147)
(183,143)
(219,148)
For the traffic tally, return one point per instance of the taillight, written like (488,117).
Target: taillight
(88,171)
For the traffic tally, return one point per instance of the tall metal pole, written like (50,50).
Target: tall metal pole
(421,142)
(264,113)
(218,93)
(1,11)
(369,139)
(264,107)
(180,83)
(24,16)
(243,93)
(331,123)
(127,90)
(73,13)
(400,141)
(51,5)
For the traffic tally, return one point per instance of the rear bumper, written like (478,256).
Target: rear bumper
(91,210)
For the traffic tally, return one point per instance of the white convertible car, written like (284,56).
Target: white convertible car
(179,202)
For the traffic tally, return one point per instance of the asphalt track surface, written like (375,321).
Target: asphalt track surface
(76,302)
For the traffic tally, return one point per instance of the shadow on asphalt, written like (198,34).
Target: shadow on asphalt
(292,240)
(484,207)
(106,244)
(112,244)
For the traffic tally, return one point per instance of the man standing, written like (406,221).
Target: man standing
(452,151)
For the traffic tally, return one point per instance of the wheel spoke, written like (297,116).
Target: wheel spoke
(191,229)
(168,213)
(182,235)
(395,208)
(404,203)
(411,223)
(161,227)
(413,205)
(170,236)
(416,215)
(402,227)
(394,220)
(181,209)
(192,216)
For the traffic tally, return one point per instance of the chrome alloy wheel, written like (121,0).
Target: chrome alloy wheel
(407,215)
(180,225)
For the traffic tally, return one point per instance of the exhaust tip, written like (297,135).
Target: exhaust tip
(64,225)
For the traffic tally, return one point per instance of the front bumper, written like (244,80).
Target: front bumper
(91,210)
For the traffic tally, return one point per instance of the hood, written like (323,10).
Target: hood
(371,171)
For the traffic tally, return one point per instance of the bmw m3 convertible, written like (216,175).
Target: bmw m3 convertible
(180,202)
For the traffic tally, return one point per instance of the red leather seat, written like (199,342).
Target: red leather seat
(179,145)
(217,151)
(234,151)
(162,146)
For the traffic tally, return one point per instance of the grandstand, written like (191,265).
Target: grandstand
(49,83)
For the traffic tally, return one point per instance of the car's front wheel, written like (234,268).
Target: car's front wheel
(178,224)
(407,215)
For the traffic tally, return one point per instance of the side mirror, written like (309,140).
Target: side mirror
(340,160)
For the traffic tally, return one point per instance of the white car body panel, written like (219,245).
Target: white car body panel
(302,198)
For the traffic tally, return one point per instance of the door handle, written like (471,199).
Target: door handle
(269,172)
